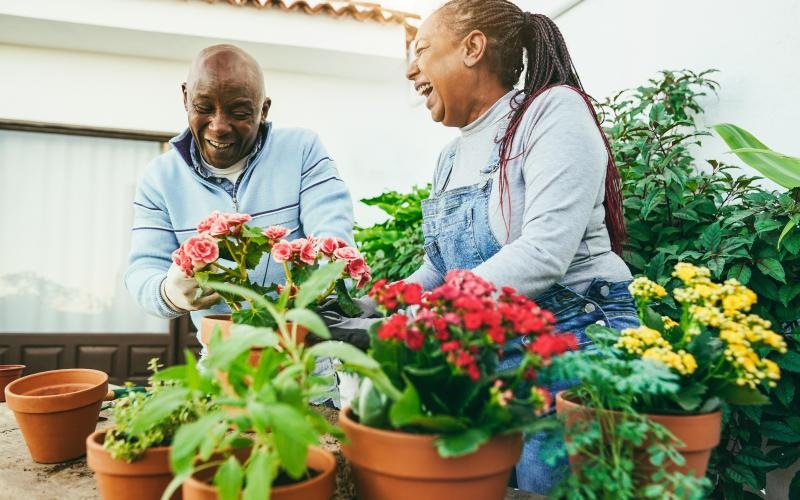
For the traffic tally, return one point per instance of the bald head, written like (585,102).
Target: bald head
(225,102)
(226,60)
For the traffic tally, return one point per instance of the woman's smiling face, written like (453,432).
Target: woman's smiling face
(438,72)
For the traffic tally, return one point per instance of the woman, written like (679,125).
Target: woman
(528,196)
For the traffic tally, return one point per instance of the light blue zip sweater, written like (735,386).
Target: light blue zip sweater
(289,179)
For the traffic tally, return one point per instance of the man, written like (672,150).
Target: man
(229,159)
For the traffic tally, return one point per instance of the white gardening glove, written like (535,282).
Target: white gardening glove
(181,293)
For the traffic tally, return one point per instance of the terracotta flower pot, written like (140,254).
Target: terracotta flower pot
(57,410)
(700,434)
(319,487)
(142,479)
(8,373)
(400,466)
(224,322)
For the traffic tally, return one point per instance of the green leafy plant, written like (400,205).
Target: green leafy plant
(262,424)
(779,168)
(128,440)
(612,439)
(678,209)
(394,247)
(439,369)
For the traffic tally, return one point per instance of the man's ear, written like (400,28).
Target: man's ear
(474,45)
(265,110)
(185,96)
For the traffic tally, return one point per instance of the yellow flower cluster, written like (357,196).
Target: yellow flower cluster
(723,308)
(638,340)
(644,289)
(669,322)
(681,361)
(689,273)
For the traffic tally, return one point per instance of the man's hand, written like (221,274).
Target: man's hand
(179,292)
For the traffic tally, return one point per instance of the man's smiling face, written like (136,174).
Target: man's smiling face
(225,104)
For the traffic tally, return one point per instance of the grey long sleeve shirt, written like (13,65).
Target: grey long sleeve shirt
(557,187)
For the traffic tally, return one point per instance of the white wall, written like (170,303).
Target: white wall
(379,135)
(618,44)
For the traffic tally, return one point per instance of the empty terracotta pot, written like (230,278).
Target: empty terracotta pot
(142,479)
(8,373)
(700,434)
(400,466)
(320,487)
(57,410)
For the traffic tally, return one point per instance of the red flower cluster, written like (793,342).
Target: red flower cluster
(465,317)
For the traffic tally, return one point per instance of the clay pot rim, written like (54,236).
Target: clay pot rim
(53,403)
(347,421)
(100,460)
(323,475)
(660,417)
(219,317)
(11,368)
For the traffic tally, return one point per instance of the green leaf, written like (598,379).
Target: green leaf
(790,361)
(159,407)
(228,479)
(773,268)
(787,293)
(242,339)
(711,237)
(754,457)
(794,486)
(782,169)
(464,443)
(258,476)
(690,397)
(310,320)
(738,395)
(780,431)
(740,272)
(318,282)
(345,301)
(407,408)
(788,227)
(187,439)
(293,434)
(785,390)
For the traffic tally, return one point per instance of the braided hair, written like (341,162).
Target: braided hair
(509,30)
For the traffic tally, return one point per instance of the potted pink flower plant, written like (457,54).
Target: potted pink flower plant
(225,248)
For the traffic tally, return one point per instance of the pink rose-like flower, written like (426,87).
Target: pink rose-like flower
(206,223)
(235,221)
(275,232)
(308,252)
(298,244)
(183,261)
(201,249)
(328,246)
(282,251)
(220,227)
(346,253)
(356,267)
(363,280)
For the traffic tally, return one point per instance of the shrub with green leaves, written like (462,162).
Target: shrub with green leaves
(394,248)
(679,209)
(262,424)
(129,439)
(610,443)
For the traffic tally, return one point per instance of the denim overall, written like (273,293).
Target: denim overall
(458,235)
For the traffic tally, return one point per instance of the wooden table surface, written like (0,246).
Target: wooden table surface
(23,479)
